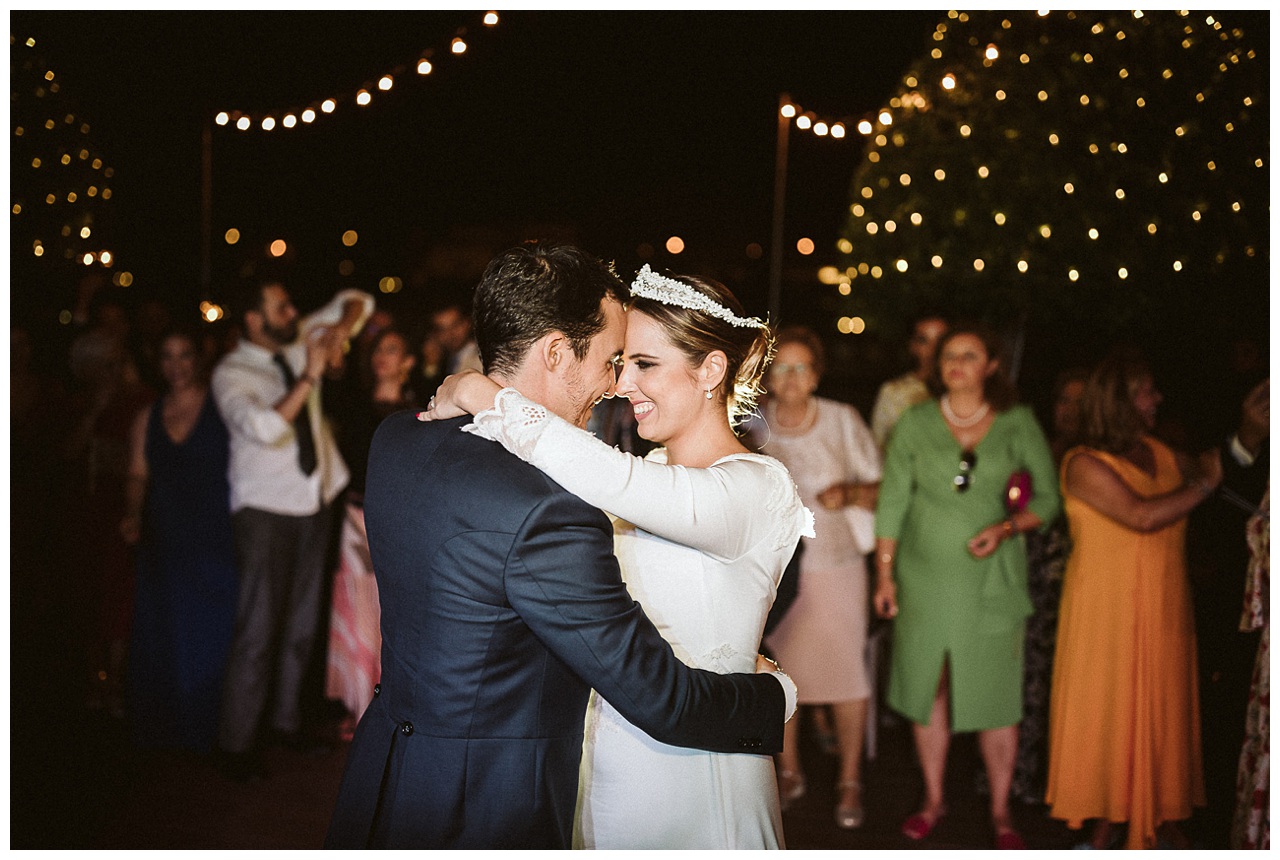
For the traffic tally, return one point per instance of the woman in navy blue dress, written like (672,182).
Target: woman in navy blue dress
(178,514)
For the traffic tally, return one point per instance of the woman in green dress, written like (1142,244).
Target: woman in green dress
(951,566)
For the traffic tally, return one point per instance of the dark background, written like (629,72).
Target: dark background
(614,130)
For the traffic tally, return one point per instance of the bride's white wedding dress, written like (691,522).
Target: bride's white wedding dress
(702,551)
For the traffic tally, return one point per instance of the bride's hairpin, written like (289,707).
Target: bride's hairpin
(650,285)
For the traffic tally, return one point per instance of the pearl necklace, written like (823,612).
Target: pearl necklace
(945,405)
(810,415)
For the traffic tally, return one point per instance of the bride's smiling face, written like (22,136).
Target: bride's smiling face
(658,380)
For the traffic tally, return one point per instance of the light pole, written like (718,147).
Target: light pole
(779,206)
(206,210)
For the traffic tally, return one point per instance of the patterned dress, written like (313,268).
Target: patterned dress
(1252,825)
(1047,553)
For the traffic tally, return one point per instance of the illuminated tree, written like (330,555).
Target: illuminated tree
(1073,174)
(60,184)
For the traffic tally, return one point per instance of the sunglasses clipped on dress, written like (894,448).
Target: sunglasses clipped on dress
(968,460)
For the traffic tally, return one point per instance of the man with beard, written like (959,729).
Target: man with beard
(284,472)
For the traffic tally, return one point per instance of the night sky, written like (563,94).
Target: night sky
(614,129)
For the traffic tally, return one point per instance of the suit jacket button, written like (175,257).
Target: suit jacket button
(377,689)
(406,728)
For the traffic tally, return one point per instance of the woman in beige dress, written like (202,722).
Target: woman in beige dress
(822,638)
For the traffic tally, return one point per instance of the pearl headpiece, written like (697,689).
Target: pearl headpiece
(650,285)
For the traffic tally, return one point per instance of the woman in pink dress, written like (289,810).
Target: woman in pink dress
(355,638)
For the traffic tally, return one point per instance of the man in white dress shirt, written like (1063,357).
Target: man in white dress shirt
(285,471)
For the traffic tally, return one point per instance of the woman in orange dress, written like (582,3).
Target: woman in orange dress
(1124,733)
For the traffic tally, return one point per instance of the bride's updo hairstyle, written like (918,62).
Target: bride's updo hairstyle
(720,324)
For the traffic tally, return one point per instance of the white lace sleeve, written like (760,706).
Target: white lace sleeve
(515,422)
(723,510)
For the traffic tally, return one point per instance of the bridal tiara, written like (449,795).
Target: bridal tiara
(650,285)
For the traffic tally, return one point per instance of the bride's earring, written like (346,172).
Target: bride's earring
(708,393)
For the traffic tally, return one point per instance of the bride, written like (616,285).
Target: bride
(703,529)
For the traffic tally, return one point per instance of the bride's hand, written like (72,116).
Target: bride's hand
(765,665)
(465,393)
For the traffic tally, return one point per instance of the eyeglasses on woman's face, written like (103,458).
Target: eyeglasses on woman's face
(797,367)
(964,478)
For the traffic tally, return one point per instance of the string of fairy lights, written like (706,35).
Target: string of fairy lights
(959,77)
(877,121)
(61,214)
(294,117)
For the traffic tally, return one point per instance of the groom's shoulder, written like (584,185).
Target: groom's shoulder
(453,460)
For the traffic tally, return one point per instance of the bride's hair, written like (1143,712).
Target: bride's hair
(696,333)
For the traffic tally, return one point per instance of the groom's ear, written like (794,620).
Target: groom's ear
(552,349)
(713,369)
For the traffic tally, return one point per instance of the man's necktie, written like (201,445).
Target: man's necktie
(301,424)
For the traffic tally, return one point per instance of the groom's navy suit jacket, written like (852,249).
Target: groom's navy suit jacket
(502,606)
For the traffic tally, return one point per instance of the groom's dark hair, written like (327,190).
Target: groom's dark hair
(537,288)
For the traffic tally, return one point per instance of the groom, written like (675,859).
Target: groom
(502,602)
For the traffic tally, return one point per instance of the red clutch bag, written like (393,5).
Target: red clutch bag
(1017,492)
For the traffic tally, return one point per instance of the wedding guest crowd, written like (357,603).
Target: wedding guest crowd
(451,328)
(285,472)
(1047,551)
(951,566)
(902,392)
(1036,591)
(1251,824)
(822,638)
(355,641)
(105,395)
(1124,741)
(1215,555)
(178,517)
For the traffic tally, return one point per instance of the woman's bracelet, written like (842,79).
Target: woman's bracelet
(1009,530)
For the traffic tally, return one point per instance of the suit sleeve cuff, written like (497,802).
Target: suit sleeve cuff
(788,690)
